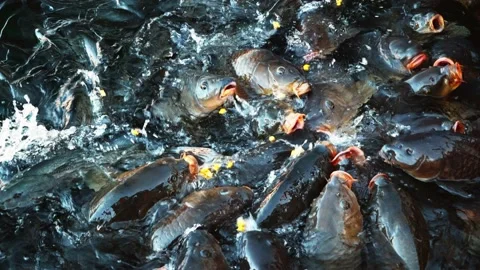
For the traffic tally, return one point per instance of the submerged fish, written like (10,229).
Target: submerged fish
(261,250)
(332,233)
(401,54)
(435,156)
(138,190)
(436,81)
(269,74)
(394,213)
(302,181)
(200,94)
(207,207)
(200,250)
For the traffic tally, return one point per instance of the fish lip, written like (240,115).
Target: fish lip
(325,129)
(455,75)
(192,164)
(417,61)
(353,152)
(346,177)
(384,156)
(331,148)
(229,90)
(436,24)
(293,122)
(443,61)
(301,88)
(458,127)
(371,184)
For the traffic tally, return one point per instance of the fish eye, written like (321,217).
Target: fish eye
(174,178)
(409,151)
(224,191)
(329,104)
(205,253)
(203,85)
(344,205)
(280,70)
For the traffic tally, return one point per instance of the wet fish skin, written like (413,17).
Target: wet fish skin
(130,198)
(457,49)
(296,188)
(200,250)
(269,74)
(207,207)
(401,54)
(332,232)
(435,156)
(261,250)
(436,82)
(200,94)
(395,214)
(380,253)
(422,122)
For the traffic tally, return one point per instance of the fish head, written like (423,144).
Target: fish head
(378,180)
(287,79)
(407,52)
(200,249)
(437,81)
(413,155)
(210,91)
(427,23)
(293,121)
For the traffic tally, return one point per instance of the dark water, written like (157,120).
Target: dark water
(135,51)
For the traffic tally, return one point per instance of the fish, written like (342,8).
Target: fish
(421,122)
(380,254)
(261,250)
(437,81)
(269,74)
(209,207)
(199,95)
(459,50)
(427,23)
(470,218)
(395,214)
(296,188)
(332,235)
(401,54)
(331,106)
(435,156)
(200,250)
(134,192)
(271,117)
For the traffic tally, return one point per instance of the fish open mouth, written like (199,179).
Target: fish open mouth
(417,61)
(455,76)
(229,90)
(354,153)
(443,61)
(192,164)
(331,148)
(371,184)
(293,122)
(346,177)
(459,127)
(301,88)
(436,24)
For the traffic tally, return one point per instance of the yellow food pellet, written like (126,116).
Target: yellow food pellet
(339,3)
(297,151)
(306,67)
(102,93)
(241,224)
(222,111)
(276,25)
(271,138)
(230,164)
(206,173)
(135,131)
(216,167)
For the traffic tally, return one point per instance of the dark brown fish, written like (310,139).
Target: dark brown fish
(332,233)
(302,181)
(261,250)
(207,207)
(401,54)
(200,250)
(199,95)
(138,190)
(269,74)
(439,155)
(437,82)
(395,214)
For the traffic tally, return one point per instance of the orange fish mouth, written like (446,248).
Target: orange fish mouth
(436,24)
(331,148)
(301,88)
(417,61)
(371,184)
(192,164)
(443,61)
(293,122)
(229,90)
(353,152)
(455,77)
(459,127)
(346,177)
